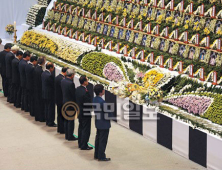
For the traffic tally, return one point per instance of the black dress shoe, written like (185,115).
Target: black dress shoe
(88,148)
(72,139)
(52,125)
(105,159)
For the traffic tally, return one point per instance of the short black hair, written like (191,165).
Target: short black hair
(0,40)
(33,58)
(41,60)
(19,53)
(64,69)
(49,65)
(98,89)
(26,54)
(8,46)
(82,79)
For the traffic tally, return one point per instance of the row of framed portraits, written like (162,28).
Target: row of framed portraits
(176,17)
(181,50)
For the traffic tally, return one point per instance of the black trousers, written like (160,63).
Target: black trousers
(10,97)
(100,143)
(31,102)
(17,92)
(84,132)
(69,128)
(49,106)
(24,99)
(5,85)
(39,107)
(60,119)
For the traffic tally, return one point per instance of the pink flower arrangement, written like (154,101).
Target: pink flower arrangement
(140,75)
(193,104)
(112,73)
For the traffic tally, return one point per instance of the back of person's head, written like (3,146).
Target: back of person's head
(70,72)
(49,65)
(19,53)
(26,54)
(64,69)
(8,46)
(0,41)
(82,79)
(41,60)
(33,58)
(98,89)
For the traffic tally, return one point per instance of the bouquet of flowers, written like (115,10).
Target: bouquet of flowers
(9,29)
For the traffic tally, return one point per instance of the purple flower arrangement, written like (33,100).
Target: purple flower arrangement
(112,73)
(193,104)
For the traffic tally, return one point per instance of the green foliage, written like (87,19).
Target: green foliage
(95,62)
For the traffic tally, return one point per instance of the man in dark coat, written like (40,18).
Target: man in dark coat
(48,94)
(59,100)
(39,104)
(29,71)
(22,64)
(68,91)
(7,49)
(83,100)
(102,122)
(8,63)
(17,91)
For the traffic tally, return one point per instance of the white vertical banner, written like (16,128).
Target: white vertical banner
(150,123)
(180,141)
(172,5)
(180,67)
(202,10)
(152,58)
(191,8)
(57,70)
(197,39)
(207,42)
(163,4)
(214,152)
(213,15)
(186,36)
(123,111)
(133,53)
(202,74)
(182,6)
(76,81)
(149,28)
(219,44)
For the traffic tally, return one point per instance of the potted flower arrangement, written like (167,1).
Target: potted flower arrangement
(9,29)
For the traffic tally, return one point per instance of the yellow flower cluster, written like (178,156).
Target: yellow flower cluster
(169,19)
(151,78)
(39,41)
(206,31)
(219,32)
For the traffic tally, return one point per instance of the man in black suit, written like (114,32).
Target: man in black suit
(8,63)
(83,100)
(68,92)
(22,64)
(17,91)
(59,100)
(102,122)
(7,49)
(29,71)
(39,104)
(48,94)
